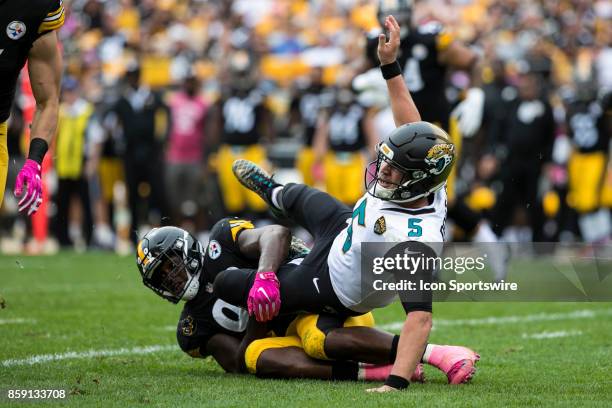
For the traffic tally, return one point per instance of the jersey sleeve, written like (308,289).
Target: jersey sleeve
(193,336)
(227,230)
(54,18)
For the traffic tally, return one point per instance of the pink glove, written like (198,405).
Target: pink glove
(32,198)
(264,297)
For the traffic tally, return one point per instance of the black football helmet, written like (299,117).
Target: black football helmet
(400,9)
(422,152)
(170,261)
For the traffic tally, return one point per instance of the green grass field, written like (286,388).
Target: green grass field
(124,352)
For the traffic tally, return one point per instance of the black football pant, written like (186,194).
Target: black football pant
(306,287)
(66,190)
(520,180)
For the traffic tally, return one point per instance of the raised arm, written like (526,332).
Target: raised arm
(402,105)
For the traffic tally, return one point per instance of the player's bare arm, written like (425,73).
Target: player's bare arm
(402,105)
(411,347)
(269,244)
(45,69)
(224,350)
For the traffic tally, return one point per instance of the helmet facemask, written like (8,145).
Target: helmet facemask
(174,274)
(408,189)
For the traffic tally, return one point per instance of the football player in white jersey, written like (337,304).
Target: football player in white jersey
(405,201)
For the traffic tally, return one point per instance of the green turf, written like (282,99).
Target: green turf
(96,301)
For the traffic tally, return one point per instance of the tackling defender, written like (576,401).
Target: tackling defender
(405,201)
(175,266)
(30,35)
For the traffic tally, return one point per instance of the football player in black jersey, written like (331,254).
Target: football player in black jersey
(588,125)
(175,266)
(28,32)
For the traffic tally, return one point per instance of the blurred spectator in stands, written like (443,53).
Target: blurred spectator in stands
(185,156)
(143,120)
(77,153)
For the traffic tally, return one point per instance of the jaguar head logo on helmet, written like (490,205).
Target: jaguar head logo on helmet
(170,262)
(412,163)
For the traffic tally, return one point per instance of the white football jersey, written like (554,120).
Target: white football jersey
(425,224)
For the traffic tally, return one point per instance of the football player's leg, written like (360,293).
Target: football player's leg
(354,179)
(316,211)
(283,357)
(331,337)
(332,176)
(4,159)
(233,194)
(587,175)
(304,163)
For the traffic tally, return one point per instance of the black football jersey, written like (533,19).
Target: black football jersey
(308,104)
(242,115)
(586,126)
(22,23)
(206,315)
(346,130)
(425,77)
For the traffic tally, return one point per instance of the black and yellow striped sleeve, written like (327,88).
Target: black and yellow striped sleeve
(237,225)
(54,18)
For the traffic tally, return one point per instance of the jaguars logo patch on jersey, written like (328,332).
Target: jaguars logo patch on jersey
(439,157)
(380,226)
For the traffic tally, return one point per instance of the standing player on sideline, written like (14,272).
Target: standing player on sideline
(30,35)
(407,189)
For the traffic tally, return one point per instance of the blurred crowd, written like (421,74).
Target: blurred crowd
(160,96)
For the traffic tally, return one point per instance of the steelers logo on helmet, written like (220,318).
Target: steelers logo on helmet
(170,263)
(15,30)
(412,163)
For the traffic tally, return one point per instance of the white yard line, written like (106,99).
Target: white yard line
(71,355)
(502,320)
(551,335)
(17,320)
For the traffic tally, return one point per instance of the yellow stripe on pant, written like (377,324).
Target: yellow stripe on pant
(305,161)
(236,197)
(313,339)
(344,176)
(4,159)
(586,180)
(252,353)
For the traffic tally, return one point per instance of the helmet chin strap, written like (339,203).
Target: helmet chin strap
(381,192)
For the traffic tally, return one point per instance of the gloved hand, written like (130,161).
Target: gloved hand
(29,174)
(469,112)
(264,297)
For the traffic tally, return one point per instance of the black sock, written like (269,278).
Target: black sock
(393,352)
(345,370)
